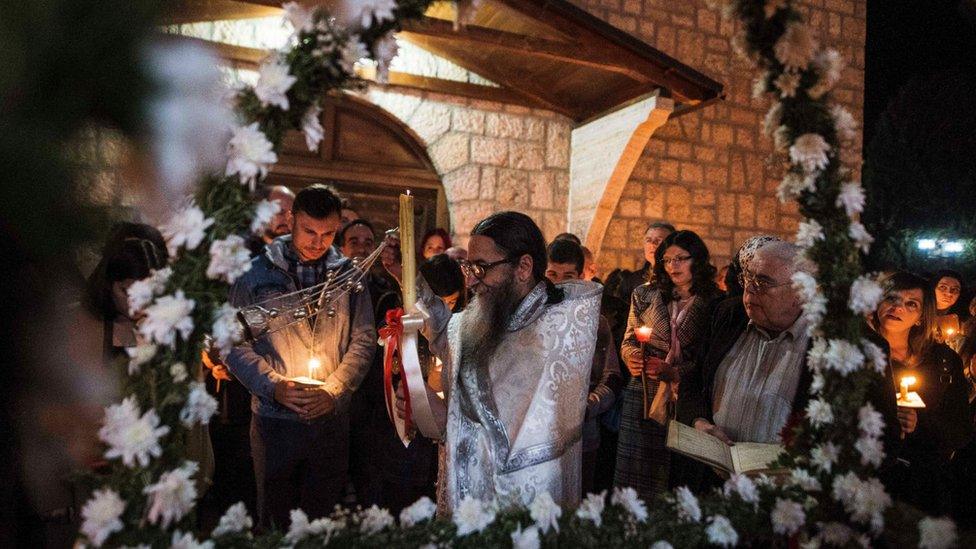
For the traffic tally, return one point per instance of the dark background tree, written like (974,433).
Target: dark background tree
(920,131)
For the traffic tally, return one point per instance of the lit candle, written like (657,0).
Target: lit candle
(950,332)
(313,364)
(643,334)
(906,382)
(408,253)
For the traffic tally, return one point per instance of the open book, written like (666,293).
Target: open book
(742,457)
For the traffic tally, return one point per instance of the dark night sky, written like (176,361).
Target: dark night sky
(909,39)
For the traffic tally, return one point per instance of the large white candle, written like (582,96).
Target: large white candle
(408,252)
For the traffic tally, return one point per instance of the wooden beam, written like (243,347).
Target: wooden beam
(573,53)
(195,11)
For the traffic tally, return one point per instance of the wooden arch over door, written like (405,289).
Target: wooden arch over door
(370,157)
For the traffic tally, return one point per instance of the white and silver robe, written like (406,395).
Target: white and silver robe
(514,431)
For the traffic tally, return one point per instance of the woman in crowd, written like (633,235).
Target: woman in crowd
(131,253)
(676,307)
(435,241)
(950,310)
(906,319)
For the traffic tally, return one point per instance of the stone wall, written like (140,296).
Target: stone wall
(491,157)
(712,171)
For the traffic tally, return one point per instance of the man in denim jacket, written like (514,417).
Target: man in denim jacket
(300,432)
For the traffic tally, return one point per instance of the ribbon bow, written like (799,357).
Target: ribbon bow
(391,334)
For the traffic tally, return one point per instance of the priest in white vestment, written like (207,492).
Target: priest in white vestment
(517,369)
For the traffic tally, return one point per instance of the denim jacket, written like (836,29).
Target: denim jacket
(344,343)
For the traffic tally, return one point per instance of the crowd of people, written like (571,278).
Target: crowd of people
(720,349)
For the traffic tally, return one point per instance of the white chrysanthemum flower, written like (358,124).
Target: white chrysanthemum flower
(249,154)
(843,356)
(419,511)
(871,450)
(870,421)
(844,123)
(188,121)
(803,479)
(865,500)
(782,139)
(793,185)
(860,236)
(810,151)
(805,285)
(298,529)
(374,520)
(172,496)
(787,516)
(312,128)
(851,198)
(661,544)
(366,13)
(186,540)
(772,118)
(817,383)
(796,47)
(688,509)
(141,292)
(829,66)
(351,53)
(526,539)
(936,533)
(325,526)
(875,356)
(629,500)
(101,516)
(264,211)
(274,81)
(199,407)
(226,330)
(825,456)
(743,486)
(809,232)
(169,315)
(545,512)
(720,532)
(229,259)
(178,372)
(473,515)
(819,412)
(772,6)
(386,49)
(815,356)
(139,355)
(835,533)
(301,19)
(129,436)
(865,295)
(813,312)
(235,520)
(787,83)
(186,228)
(591,508)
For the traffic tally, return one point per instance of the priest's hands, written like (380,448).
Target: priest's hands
(710,428)
(390,257)
(309,402)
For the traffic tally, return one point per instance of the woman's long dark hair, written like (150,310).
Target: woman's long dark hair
(436,231)
(921,337)
(515,234)
(702,270)
(961,306)
(132,251)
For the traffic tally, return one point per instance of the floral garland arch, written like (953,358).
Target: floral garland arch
(831,497)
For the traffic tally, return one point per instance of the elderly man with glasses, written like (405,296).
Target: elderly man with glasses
(516,370)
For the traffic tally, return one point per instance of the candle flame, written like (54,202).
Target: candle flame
(908,381)
(408,192)
(643,334)
(314,364)
(950,331)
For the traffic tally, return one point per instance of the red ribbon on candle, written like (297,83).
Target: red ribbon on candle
(391,334)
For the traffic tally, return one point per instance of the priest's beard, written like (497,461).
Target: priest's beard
(484,323)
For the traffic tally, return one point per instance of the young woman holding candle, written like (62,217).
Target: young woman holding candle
(667,321)
(906,319)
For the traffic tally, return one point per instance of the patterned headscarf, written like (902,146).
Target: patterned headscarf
(742,259)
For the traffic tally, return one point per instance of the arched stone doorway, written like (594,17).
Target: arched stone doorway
(370,157)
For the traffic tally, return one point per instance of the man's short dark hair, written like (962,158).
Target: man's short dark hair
(515,235)
(568,236)
(566,251)
(318,201)
(340,238)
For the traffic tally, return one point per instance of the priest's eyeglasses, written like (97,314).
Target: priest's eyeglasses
(479,270)
(758,286)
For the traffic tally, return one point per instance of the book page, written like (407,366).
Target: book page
(754,456)
(698,445)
